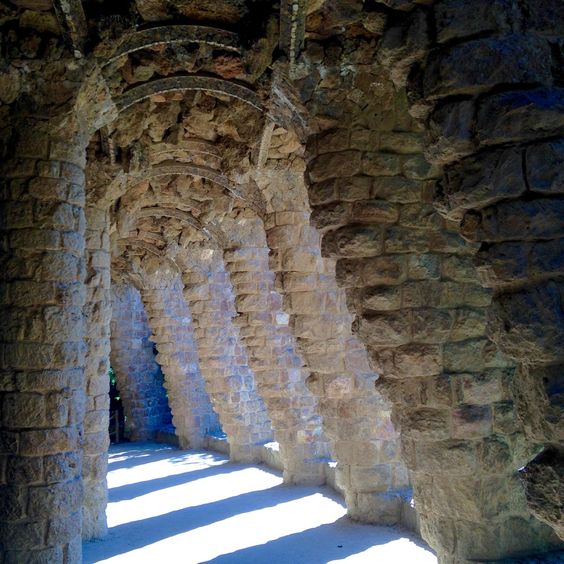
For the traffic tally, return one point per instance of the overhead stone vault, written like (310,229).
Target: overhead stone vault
(340,223)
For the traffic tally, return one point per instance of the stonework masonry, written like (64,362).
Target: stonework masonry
(139,377)
(337,223)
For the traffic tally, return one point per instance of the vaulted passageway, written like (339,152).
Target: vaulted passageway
(342,221)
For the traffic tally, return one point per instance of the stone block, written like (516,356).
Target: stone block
(544,166)
(24,470)
(513,59)
(471,421)
(426,424)
(23,410)
(353,241)
(380,164)
(424,267)
(465,356)
(482,180)
(526,324)
(335,165)
(456,19)
(389,329)
(417,167)
(354,188)
(452,457)
(329,215)
(397,189)
(381,298)
(432,326)
(401,142)
(376,211)
(516,220)
(520,116)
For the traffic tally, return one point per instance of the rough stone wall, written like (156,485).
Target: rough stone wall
(421,311)
(356,418)
(278,370)
(139,377)
(495,124)
(171,325)
(223,358)
(501,144)
(97,313)
(43,352)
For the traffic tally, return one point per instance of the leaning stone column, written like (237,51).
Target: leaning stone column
(97,314)
(277,367)
(138,375)
(223,359)
(356,418)
(171,324)
(42,346)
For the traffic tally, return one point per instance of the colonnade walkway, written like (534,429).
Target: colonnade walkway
(190,507)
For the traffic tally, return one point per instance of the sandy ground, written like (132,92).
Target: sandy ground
(191,507)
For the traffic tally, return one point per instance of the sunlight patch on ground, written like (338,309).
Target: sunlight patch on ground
(240,531)
(190,494)
(400,551)
(193,507)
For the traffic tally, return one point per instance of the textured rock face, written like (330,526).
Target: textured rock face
(137,372)
(345,223)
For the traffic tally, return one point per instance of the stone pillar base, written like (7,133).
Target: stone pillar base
(382,508)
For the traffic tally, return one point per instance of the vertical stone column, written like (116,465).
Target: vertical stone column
(171,325)
(356,417)
(223,358)
(97,312)
(42,343)
(279,374)
(138,375)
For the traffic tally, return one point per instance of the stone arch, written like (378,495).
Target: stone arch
(193,82)
(167,34)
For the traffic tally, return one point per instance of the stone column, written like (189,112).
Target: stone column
(171,325)
(495,124)
(422,314)
(138,375)
(278,369)
(97,314)
(42,361)
(356,417)
(223,359)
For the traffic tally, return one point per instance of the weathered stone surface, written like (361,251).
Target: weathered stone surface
(520,116)
(456,19)
(522,220)
(528,323)
(482,180)
(544,164)
(513,59)
(542,478)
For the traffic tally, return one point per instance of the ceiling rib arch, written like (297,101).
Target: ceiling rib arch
(177,83)
(170,34)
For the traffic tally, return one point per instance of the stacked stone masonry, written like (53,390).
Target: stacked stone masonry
(172,332)
(139,378)
(224,363)
(342,222)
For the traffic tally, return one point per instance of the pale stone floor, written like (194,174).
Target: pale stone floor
(168,506)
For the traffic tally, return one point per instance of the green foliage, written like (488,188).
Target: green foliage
(112,376)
